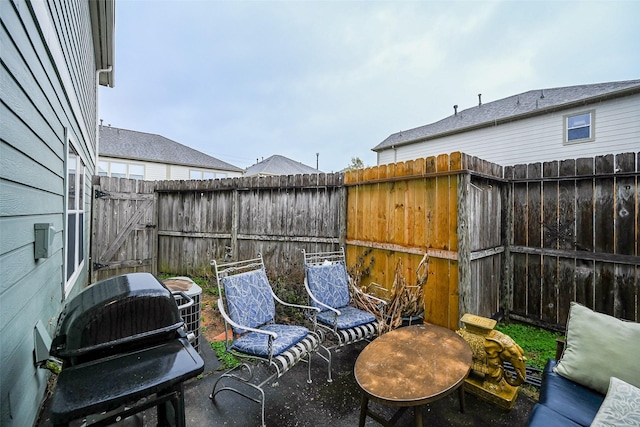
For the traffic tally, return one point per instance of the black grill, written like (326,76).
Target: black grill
(122,341)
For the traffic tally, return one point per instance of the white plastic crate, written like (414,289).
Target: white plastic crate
(191,314)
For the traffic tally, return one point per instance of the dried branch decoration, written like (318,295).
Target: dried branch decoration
(403,300)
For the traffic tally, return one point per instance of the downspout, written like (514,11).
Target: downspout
(98,72)
(96,166)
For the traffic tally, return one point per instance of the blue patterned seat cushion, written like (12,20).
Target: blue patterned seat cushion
(328,283)
(350,317)
(257,344)
(249,299)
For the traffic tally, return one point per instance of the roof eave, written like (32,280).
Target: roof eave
(572,104)
(103,29)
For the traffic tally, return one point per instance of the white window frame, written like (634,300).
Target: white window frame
(201,173)
(103,168)
(121,169)
(74,262)
(591,125)
(130,171)
(127,168)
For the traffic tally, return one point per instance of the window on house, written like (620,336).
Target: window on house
(196,174)
(579,127)
(136,171)
(118,170)
(103,168)
(75,215)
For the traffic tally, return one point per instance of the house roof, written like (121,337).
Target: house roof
(279,165)
(133,145)
(516,107)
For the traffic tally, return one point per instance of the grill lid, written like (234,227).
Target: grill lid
(130,309)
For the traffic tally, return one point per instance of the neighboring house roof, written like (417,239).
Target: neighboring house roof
(129,144)
(279,165)
(516,107)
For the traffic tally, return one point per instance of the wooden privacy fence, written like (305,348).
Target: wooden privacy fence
(123,227)
(448,207)
(528,239)
(575,237)
(186,224)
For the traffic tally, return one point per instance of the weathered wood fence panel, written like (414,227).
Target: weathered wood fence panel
(486,246)
(123,231)
(575,237)
(529,240)
(276,216)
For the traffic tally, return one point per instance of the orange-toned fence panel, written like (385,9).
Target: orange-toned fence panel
(401,212)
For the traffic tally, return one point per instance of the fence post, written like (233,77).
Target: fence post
(506,285)
(464,246)
(234,223)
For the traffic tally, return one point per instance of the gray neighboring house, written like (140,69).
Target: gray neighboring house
(54,56)
(279,165)
(138,155)
(535,126)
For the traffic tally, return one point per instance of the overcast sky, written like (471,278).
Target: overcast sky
(244,80)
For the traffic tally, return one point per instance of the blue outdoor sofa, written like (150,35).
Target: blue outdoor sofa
(595,379)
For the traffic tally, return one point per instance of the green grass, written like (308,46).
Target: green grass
(227,359)
(538,344)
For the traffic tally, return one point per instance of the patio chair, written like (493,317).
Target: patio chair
(247,304)
(327,284)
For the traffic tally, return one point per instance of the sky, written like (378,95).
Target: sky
(324,82)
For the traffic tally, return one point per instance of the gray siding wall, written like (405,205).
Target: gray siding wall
(48,97)
(537,139)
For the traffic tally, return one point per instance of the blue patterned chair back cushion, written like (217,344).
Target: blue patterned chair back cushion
(249,299)
(328,283)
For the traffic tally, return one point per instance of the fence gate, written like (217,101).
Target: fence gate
(124,227)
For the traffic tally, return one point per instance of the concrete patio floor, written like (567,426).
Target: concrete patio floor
(291,402)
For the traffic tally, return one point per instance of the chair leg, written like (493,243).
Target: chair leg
(245,381)
(327,359)
(262,407)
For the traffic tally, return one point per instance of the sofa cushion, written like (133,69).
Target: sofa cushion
(567,398)
(543,416)
(599,347)
(621,406)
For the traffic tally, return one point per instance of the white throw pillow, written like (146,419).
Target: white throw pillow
(621,406)
(599,347)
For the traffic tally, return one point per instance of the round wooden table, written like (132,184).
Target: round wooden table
(412,366)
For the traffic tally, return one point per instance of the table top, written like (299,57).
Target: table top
(413,365)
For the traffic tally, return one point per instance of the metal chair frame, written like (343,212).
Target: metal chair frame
(350,335)
(276,364)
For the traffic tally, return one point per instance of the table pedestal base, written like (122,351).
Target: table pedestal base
(417,411)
